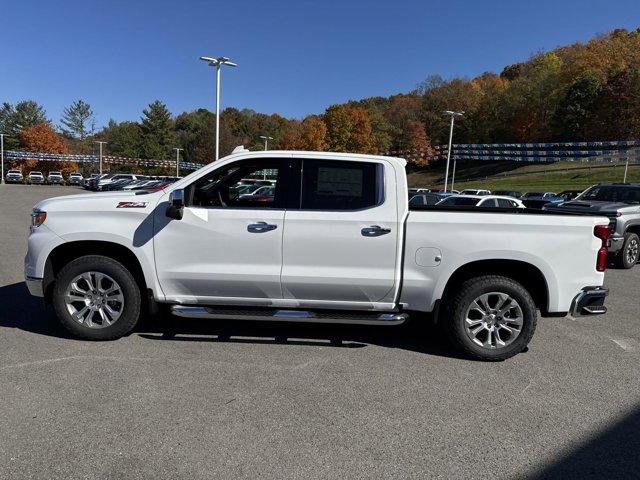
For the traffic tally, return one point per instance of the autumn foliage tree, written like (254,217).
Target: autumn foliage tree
(43,138)
(309,135)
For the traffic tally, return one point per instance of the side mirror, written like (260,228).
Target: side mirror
(175,209)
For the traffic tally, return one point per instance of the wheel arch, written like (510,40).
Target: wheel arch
(633,229)
(527,274)
(68,251)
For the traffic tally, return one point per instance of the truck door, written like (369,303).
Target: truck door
(228,245)
(340,245)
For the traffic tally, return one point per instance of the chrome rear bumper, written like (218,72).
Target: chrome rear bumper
(590,301)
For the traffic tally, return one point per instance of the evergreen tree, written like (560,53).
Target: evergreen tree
(77,120)
(157,131)
(22,116)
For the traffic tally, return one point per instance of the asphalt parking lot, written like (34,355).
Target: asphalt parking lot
(246,400)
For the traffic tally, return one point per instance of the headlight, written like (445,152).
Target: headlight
(37,218)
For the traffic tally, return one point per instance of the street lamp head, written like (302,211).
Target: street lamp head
(265,137)
(215,62)
(210,60)
(454,114)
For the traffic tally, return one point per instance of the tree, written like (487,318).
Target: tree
(43,139)
(123,139)
(360,133)
(78,120)
(28,114)
(617,108)
(157,131)
(23,115)
(338,123)
(309,135)
(348,129)
(575,110)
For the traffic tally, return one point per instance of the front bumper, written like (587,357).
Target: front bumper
(590,301)
(35,286)
(13,180)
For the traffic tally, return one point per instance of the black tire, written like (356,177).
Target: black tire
(130,313)
(626,257)
(455,314)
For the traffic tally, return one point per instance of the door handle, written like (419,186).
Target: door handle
(261,227)
(374,231)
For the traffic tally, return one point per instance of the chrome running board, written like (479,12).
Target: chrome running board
(280,315)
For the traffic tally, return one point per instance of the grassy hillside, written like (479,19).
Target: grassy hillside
(536,177)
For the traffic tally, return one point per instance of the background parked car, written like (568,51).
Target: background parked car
(55,178)
(14,176)
(507,193)
(481,201)
(621,203)
(540,201)
(426,199)
(89,183)
(416,191)
(113,177)
(470,191)
(569,194)
(75,178)
(35,177)
(263,194)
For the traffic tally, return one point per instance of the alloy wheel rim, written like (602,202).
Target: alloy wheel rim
(94,299)
(632,251)
(494,320)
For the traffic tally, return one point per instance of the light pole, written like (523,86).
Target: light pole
(100,143)
(266,139)
(446,175)
(626,167)
(2,156)
(178,150)
(218,62)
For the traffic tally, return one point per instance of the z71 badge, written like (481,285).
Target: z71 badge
(131,205)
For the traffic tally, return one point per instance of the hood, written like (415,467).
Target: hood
(591,206)
(139,199)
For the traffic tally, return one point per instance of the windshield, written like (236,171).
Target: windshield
(612,193)
(451,201)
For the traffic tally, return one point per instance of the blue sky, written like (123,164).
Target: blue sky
(295,57)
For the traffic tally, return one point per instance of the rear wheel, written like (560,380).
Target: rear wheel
(630,251)
(97,298)
(490,318)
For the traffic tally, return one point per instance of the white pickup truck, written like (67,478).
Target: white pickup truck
(335,242)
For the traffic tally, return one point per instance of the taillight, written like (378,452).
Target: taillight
(602,232)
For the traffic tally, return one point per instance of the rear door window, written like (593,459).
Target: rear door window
(337,185)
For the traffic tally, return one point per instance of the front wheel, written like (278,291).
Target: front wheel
(97,298)
(490,318)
